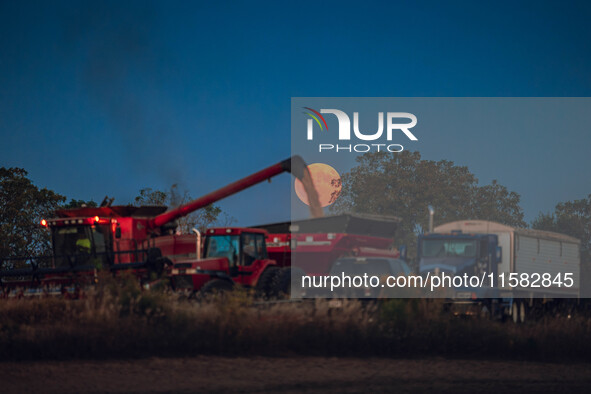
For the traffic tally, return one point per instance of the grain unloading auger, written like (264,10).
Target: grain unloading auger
(294,165)
(141,239)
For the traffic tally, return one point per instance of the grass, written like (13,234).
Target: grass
(118,320)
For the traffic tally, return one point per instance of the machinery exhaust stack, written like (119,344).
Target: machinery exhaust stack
(431,213)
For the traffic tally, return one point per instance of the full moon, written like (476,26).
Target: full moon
(327,182)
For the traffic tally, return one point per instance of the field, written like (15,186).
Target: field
(120,338)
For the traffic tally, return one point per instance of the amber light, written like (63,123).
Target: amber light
(96,218)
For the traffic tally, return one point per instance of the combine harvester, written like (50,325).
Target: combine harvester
(124,238)
(143,241)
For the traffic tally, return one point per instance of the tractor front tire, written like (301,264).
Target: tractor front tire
(216,287)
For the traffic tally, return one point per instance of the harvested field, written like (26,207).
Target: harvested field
(294,375)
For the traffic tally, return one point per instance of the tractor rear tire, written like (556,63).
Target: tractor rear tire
(266,283)
(216,287)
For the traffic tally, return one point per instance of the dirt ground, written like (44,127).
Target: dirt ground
(299,374)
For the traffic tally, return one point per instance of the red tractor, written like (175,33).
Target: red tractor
(231,256)
(137,239)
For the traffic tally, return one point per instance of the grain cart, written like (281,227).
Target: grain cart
(311,246)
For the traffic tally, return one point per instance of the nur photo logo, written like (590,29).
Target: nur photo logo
(390,126)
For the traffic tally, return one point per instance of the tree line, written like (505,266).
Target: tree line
(400,185)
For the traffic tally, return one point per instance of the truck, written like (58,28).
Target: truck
(527,272)
(141,240)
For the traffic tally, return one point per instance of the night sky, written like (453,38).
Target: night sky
(105,99)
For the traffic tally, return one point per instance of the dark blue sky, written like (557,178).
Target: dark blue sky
(107,98)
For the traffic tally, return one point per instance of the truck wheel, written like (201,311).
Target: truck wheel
(515,312)
(216,286)
(485,312)
(522,312)
(266,283)
(518,312)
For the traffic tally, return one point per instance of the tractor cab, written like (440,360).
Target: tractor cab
(242,247)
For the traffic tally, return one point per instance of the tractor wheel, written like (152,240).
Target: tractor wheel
(283,281)
(216,286)
(265,285)
(157,266)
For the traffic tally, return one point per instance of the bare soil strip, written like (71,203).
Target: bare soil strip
(299,374)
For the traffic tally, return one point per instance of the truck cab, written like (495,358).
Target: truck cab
(464,255)
(458,253)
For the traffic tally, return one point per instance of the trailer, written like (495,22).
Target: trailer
(531,272)
(312,246)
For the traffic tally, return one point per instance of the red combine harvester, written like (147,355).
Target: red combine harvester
(141,240)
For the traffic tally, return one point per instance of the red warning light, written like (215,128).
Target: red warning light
(96,218)
(44,222)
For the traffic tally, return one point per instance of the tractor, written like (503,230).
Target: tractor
(231,256)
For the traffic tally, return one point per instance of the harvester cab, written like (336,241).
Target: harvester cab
(116,238)
(231,256)
(81,241)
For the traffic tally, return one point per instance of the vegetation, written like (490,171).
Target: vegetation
(22,206)
(572,218)
(209,216)
(79,204)
(119,320)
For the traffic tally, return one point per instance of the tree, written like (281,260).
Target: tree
(572,218)
(150,197)
(201,219)
(23,205)
(404,185)
(79,204)
(494,202)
